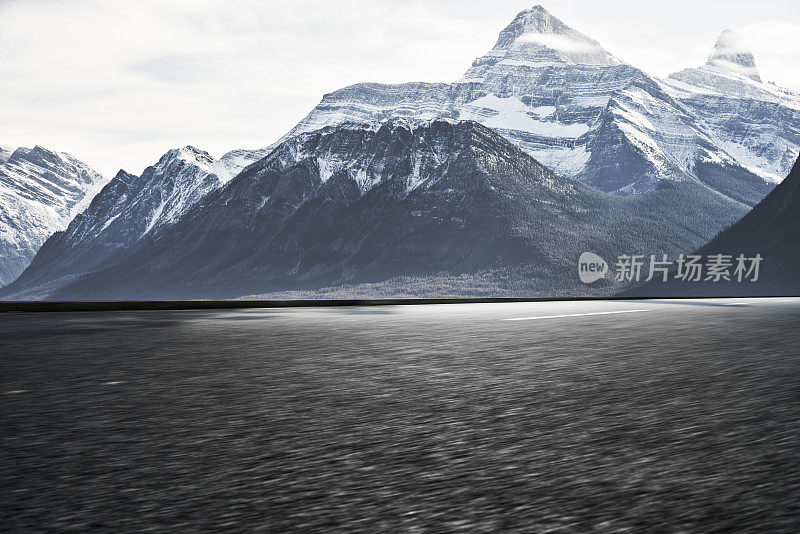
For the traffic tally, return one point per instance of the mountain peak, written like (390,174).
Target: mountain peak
(537,37)
(45,154)
(38,155)
(125,177)
(5,153)
(189,164)
(537,20)
(188,154)
(731,53)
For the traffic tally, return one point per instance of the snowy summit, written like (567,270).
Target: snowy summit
(731,53)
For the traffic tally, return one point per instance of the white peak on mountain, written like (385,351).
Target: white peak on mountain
(731,72)
(731,53)
(195,157)
(536,33)
(537,21)
(188,154)
(235,161)
(41,163)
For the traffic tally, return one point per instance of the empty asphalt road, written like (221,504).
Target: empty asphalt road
(623,416)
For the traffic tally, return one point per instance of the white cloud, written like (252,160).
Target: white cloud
(776,45)
(119,82)
(559,42)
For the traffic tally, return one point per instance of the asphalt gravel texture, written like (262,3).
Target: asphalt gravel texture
(671,416)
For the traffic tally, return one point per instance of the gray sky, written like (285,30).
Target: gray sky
(119,82)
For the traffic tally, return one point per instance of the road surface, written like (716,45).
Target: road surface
(624,416)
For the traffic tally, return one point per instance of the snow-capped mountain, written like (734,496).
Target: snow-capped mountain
(40,192)
(451,202)
(130,209)
(419,179)
(758,123)
(562,98)
(732,55)
(535,38)
(159,197)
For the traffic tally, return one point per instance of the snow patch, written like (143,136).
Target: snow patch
(155,217)
(512,114)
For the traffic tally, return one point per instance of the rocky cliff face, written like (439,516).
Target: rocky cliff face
(40,192)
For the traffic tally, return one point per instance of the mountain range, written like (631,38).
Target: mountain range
(547,147)
(363,203)
(586,114)
(42,191)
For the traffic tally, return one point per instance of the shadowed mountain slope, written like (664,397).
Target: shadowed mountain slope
(771,230)
(363,203)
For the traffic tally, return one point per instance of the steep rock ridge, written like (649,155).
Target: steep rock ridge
(362,203)
(771,230)
(558,95)
(757,123)
(129,209)
(40,191)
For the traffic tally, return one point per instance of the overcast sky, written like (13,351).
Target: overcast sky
(119,82)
